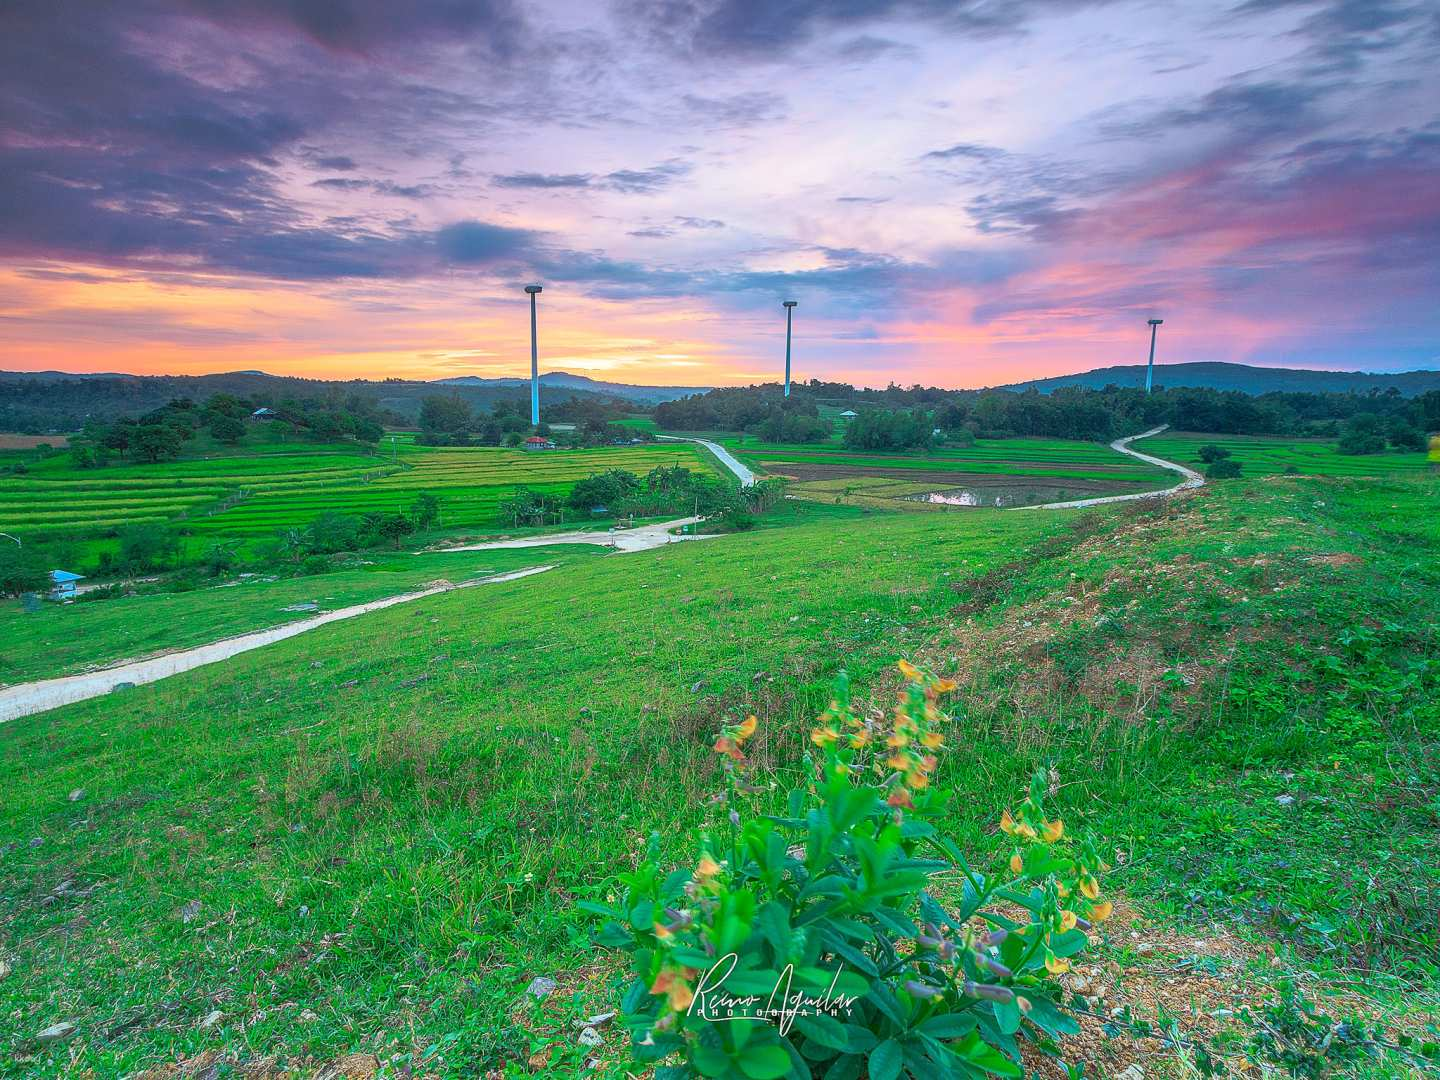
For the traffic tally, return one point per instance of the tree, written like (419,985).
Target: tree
(1362,435)
(156,442)
(448,413)
(143,548)
(1210,453)
(425,510)
(1224,469)
(227,429)
(393,527)
(607,489)
(21,570)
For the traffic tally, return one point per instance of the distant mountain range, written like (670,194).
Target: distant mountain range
(650,395)
(1243,377)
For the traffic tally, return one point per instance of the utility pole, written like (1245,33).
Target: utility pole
(534,290)
(1150,368)
(789,311)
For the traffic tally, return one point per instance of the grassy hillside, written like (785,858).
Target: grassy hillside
(65,639)
(372,837)
(1262,455)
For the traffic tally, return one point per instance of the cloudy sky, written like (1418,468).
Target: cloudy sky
(957,193)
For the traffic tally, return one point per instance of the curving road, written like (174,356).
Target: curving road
(640,538)
(1192,479)
(26,698)
(744,475)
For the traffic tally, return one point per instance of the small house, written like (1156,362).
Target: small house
(848,415)
(62,585)
(537,442)
(263,413)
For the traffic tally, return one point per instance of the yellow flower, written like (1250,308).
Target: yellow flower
(1056,965)
(898,761)
(1053,830)
(1089,887)
(1017,864)
(673,985)
(900,798)
(727,746)
(1007,823)
(707,868)
(745,730)
(859,739)
(824,736)
(933,739)
(1067,920)
(1100,912)
(917,779)
(909,670)
(944,686)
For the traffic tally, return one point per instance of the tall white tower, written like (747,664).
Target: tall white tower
(534,290)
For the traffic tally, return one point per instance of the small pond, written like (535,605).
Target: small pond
(992,495)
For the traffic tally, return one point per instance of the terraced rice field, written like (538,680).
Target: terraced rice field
(54,497)
(1261,455)
(255,495)
(470,482)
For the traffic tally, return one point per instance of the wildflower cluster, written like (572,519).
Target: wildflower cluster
(816,942)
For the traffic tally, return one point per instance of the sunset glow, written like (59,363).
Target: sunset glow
(955,194)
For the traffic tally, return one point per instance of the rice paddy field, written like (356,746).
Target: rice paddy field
(267,489)
(1262,455)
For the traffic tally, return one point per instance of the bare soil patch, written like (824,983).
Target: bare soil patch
(9,441)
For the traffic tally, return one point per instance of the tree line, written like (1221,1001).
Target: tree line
(900,419)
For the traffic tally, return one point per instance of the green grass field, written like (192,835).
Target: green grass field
(264,488)
(64,639)
(1263,455)
(1060,459)
(1237,692)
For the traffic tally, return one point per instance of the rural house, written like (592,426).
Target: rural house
(536,442)
(62,584)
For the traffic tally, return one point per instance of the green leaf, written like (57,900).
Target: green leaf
(1007,1016)
(885,1060)
(765,1062)
(1049,1018)
(825,1030)
(984,1056)
(709,1061)
(949,1025)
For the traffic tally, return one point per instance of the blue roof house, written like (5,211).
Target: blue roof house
(62,586)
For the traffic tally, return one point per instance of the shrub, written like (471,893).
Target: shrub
(1210,453)
(1224,469)
(833,901)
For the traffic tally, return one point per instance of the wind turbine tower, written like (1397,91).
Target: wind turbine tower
(789,311)
(1150,368)
(534,290)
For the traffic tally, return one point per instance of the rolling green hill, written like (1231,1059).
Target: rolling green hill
(371,838)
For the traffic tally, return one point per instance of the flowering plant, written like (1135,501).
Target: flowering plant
(849,936)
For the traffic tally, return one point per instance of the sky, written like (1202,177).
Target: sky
(957,192)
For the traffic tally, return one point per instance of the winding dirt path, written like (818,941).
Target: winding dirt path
(744,475)
(33,697)
(1191,478)
(640,538)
